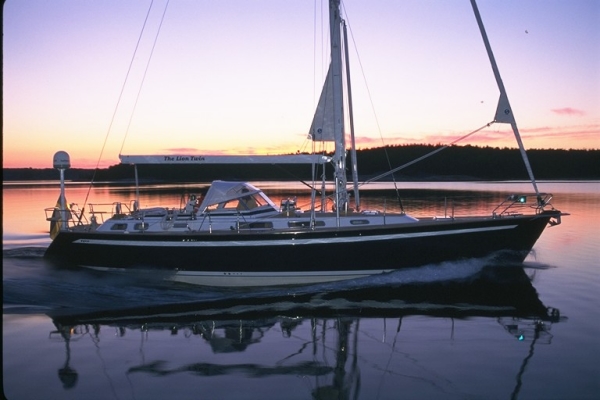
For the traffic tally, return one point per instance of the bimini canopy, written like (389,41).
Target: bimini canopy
(224,191)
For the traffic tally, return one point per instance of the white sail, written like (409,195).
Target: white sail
(321,128)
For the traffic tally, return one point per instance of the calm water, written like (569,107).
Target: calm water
(465,330)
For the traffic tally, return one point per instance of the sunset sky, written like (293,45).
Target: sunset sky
(228,77)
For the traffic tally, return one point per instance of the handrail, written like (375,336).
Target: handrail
(516,202)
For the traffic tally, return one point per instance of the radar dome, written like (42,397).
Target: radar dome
(62,160)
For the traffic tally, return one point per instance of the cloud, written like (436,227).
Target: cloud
(568,111)
(232,151)
(362,141)
(501,135)
(574,132)
(182,150)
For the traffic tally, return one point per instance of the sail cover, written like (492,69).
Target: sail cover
(321,129)
(224,159)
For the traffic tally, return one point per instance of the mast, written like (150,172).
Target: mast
(503,111)
(339,158)
(351,120)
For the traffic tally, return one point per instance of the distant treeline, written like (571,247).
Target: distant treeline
(453,163)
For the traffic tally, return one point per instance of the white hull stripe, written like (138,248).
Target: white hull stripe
(270,274)
(191,242)
(240,279)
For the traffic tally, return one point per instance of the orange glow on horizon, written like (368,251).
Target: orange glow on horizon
(548,139)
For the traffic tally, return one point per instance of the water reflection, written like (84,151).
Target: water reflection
(435,333)
(314,333)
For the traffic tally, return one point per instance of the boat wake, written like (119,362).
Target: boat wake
(23,252)
(456,289)
(23,241)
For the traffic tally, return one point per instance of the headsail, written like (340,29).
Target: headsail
(321,129)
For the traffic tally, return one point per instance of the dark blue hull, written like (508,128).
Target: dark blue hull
(356,251)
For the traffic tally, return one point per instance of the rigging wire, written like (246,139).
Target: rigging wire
(391,170)
(118,102)
(317,17)
(362,70)
(144,77)
(376,178)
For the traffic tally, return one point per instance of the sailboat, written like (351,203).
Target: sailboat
(236,235)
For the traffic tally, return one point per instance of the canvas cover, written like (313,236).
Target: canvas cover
(221,191)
